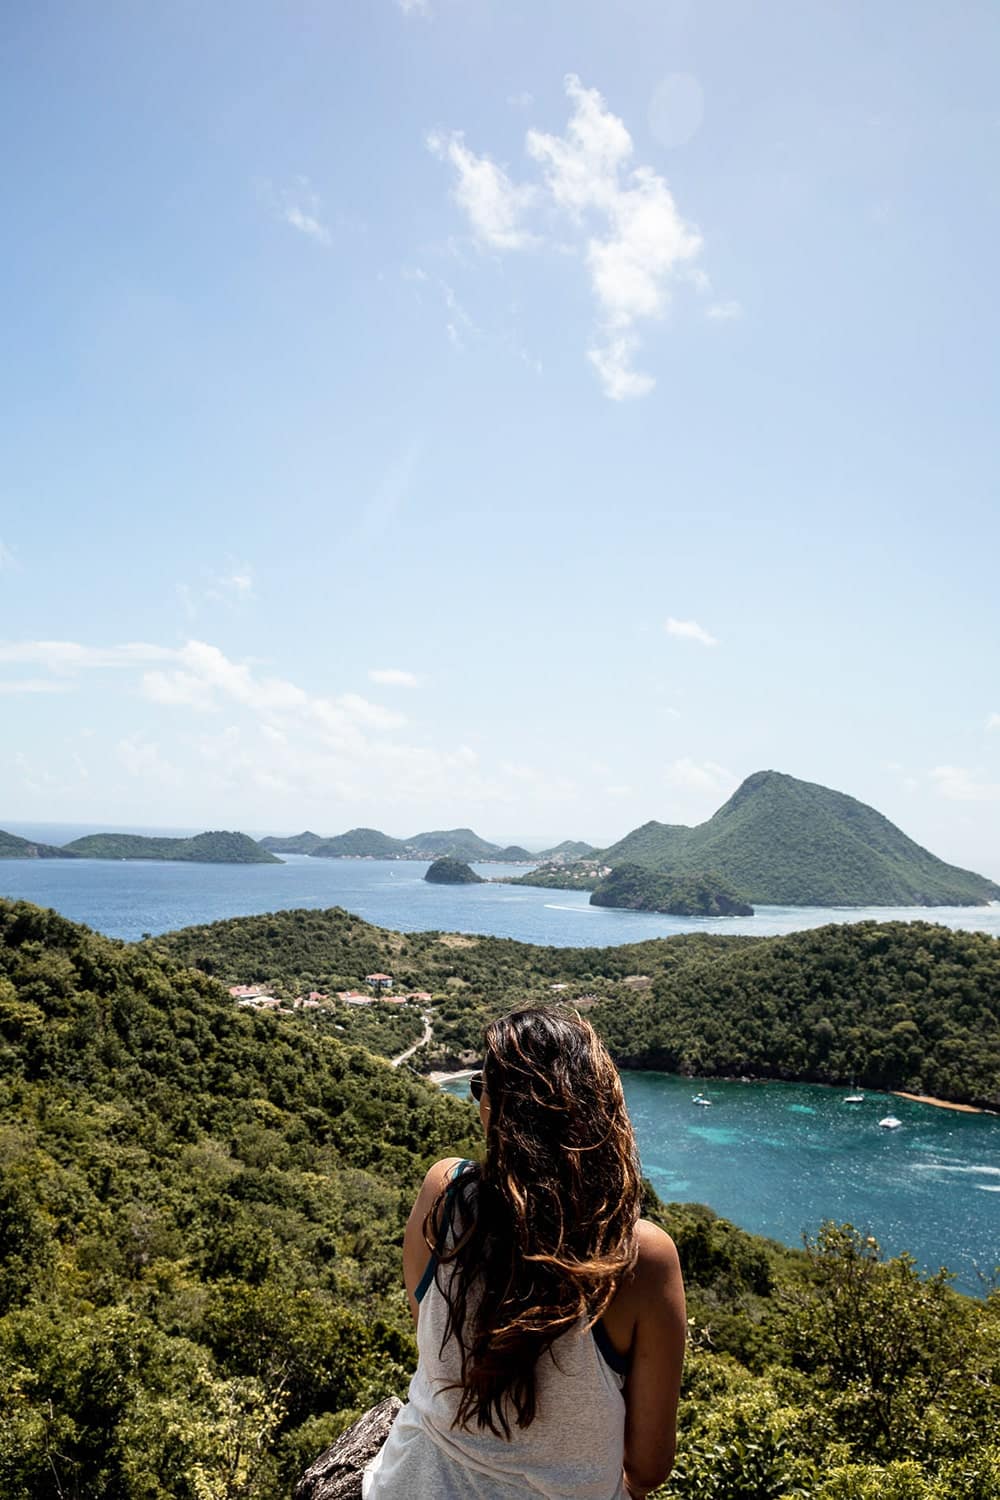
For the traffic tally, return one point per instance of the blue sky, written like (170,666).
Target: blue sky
(537,415)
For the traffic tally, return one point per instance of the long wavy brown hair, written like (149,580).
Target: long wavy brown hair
(545,1228)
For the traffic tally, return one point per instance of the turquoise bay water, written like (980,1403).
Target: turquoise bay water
(778,1158)
(775,1158)
(127,898)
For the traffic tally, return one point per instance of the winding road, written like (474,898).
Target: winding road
(428,1033)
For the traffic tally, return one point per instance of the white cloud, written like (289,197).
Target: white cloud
(142,758)
(623,220)
(689,630)
(232,586)
(959,784)
(993,722)
(724,312)
(700,776)
(301,208)
(70,656)
(34,685)
(393,677)
(414,7)
(494,205)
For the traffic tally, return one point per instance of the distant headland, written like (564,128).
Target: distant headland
(777,841)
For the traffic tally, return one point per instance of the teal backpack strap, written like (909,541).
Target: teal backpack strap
(444,1227)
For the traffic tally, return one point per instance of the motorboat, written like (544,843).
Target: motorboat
(854,1098)
(700,1099)
(890,1123)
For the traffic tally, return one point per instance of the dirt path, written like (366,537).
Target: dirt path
(428,1033)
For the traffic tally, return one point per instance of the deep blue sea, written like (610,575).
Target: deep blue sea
(126,898)
(776,1158)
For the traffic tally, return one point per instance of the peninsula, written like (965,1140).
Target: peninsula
(635,888)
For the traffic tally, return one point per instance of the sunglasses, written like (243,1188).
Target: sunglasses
(476,1086)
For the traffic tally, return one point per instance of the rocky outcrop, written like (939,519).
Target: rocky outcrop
(336,1474)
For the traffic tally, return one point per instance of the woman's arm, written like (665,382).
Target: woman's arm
(415,1251)
(653,1384)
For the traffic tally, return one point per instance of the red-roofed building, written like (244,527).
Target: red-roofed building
(379,982)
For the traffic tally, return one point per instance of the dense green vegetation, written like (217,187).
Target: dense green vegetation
(447,871)
(568,849)
(636,888)
(359,843)
(897,1005)
(200,1220)
(903,1005)
(201,1212)
(219,847)
(297,843)
(781,841)
(14,847)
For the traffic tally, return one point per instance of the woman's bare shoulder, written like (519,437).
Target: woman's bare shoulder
(438,1177)
(657,1254)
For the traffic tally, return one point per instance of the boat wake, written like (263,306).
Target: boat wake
(590,911)
(935,1166)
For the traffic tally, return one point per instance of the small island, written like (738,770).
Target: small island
(635,888)
(217,848)
(452,872)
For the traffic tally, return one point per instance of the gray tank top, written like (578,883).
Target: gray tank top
(573,1450)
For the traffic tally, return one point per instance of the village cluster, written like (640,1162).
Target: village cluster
(259,996)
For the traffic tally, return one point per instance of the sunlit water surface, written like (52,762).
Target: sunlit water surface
(778,1158)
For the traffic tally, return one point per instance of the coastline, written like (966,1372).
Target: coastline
(965,1109)
(440,1078)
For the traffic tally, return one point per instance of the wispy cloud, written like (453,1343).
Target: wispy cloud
(960,784)
(621,219)
(301,208)
(724,312)
(34,685)
(993,722)
(241,733)
(393,677)
(495,206)
(63,657)
(232,585)
(7,558)
(689,630)
(414,7)
(700,776)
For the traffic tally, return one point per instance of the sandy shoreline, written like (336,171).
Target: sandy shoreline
(966,1109)
(448,1077)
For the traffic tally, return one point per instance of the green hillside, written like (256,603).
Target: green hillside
(455,843)
(222,848)
(14,847)
(201,1214)
(637,888)
(568,849)
(891,1005)
(896,1005)
(359,843)
(298,843)
(780,841)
